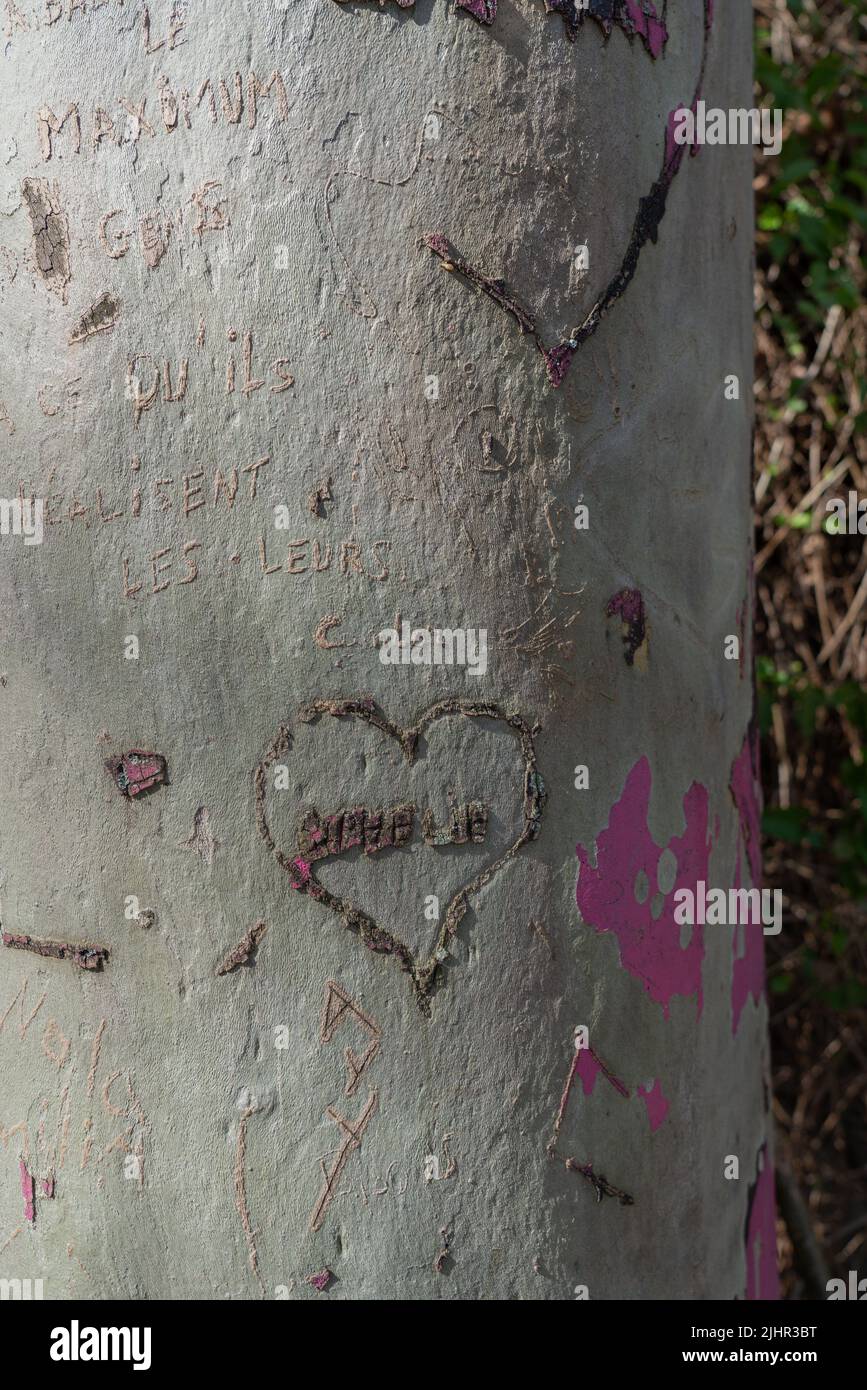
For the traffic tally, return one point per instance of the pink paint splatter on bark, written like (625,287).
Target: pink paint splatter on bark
(650,947)
(657,1105)
(137,771)
(558,360)
(674,151)
(27,1191)
(587,1069)
(632,16)
(320,1280)
(302,880)
(647,24)
(761,1242)
(299,874)
(745,787)
(748,970)
(47,1185)
(587,1066)
(485,11)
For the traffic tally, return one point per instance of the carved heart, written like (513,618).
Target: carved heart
(302,876)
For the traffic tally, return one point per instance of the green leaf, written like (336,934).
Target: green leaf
(785,823)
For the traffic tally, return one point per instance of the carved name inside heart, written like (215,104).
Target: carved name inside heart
(360,827)
(319,837)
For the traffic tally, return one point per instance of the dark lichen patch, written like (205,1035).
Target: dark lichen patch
(628,606)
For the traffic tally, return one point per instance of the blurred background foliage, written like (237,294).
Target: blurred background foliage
(811,610)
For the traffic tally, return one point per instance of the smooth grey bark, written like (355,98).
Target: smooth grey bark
(196,1125)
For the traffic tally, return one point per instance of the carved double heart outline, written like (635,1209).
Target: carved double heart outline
(422,972)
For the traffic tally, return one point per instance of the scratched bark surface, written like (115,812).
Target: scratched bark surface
(221,302)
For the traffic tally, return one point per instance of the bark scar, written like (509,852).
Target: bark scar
(50,234)
(101,317)
(245,949)
(86,957)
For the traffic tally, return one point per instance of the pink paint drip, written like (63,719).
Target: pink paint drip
(673,151)
(745,788)
(485,11)
(629,604)
(657,1105)
(47,1185)
(649,949)
(558,360)
(761,1245)
(27,1191)
(320,1280)
(648,26)
(748,971)
(587,1067)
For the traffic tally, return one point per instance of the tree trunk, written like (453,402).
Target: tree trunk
(317,323)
